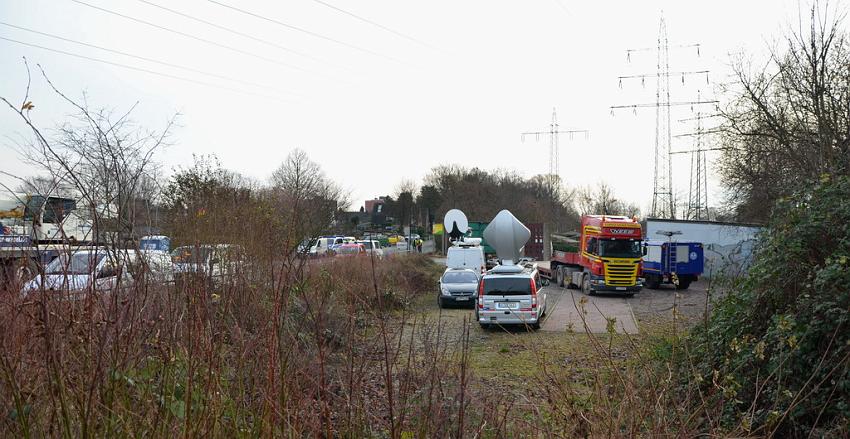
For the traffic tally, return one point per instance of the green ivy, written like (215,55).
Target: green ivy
(775,352)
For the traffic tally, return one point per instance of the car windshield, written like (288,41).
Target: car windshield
(79,263)
(461,277)
(190,254)
(619,248)
(507,286)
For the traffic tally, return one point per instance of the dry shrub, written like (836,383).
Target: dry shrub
(317,350)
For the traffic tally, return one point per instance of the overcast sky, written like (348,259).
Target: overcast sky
(441,82)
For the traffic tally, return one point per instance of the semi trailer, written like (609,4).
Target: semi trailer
(604,255)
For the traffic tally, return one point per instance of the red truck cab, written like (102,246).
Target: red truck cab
(606,256)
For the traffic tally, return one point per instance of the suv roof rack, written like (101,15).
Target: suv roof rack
(507,269)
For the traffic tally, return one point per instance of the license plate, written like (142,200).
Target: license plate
(460,299)
(621,288)
(508,305)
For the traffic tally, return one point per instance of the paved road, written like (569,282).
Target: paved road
(573,310)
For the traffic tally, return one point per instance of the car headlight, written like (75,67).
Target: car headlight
(445,292)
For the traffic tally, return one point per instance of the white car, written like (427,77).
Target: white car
(208,261)
(99,270)
(373,247)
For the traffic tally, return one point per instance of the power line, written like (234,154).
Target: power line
(184,34)
(236,32)
(302,30)
(164,63)
(378,25)
(663,104)
(141,69)
(553,132)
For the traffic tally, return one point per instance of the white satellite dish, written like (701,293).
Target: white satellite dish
(507,235)
(455,219)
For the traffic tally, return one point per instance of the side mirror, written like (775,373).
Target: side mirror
(644,249)
(545,282)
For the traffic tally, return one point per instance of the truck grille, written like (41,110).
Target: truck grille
(620,273)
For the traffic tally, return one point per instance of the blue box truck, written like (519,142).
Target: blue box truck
(678,263)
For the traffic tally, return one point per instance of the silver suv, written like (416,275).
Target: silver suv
(458,286)
(511,295)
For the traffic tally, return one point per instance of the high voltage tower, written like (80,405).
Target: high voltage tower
(554,132)
(663,201)
(697,208)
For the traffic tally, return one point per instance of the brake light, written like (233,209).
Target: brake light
(533,294)
(481,294)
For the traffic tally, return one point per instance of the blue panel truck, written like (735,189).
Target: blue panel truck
(671,262)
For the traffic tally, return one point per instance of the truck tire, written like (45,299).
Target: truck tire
(684,283)
(653,281)
(568,277)
(585,285)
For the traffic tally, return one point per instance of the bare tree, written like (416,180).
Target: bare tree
(602,201)
(309,198)
(106,160)
(788,122)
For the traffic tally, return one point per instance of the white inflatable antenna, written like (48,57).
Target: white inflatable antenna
(507,235)
(456,224)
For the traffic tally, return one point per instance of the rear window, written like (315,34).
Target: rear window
(507,286)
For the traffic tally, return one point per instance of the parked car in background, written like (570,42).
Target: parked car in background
(209,262)
(511,295)
(347,250)
(100,270)
(458,286)
(155,242)
(373,247)
(342,241)
(324,244)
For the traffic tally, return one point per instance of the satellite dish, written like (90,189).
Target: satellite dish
(507,235)
(456,224)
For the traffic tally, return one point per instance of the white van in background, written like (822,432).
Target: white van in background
(463,255)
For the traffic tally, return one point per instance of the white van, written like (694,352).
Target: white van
(464,256)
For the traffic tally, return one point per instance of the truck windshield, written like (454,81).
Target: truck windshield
(619,248)
(507,286)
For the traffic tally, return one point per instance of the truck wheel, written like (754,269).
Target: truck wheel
(568,277)
(585,285)
(683,284)
(653,281)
